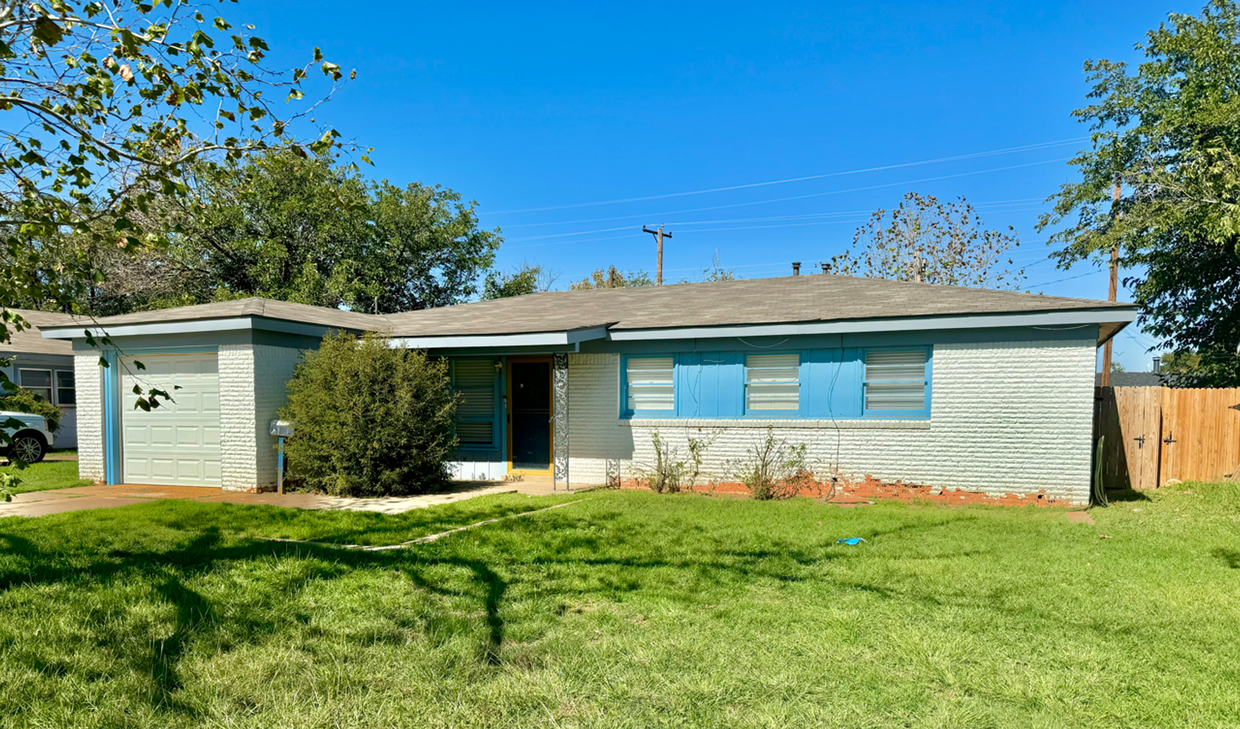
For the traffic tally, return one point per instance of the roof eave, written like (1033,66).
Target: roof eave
(1120,316)
(193,326)
(560,338)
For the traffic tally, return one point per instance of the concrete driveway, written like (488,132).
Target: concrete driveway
(41,503)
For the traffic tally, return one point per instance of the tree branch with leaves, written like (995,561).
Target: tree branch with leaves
(929,241)
(106,106)
(1169,135)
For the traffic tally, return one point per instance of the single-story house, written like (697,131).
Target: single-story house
(45,367)
(984,391)
(1133,379)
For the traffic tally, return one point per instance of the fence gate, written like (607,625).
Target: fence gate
(1155,434)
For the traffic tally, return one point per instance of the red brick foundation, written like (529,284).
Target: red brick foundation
(850,491)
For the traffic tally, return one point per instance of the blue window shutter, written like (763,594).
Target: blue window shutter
(730,393)
(833,387)
(688,385)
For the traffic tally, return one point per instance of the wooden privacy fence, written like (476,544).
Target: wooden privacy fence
(1156,434)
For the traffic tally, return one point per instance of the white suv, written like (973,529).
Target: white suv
(29,442)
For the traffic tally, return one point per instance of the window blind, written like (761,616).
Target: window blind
(651,385)
(474,380)
(895,380)
(772,382)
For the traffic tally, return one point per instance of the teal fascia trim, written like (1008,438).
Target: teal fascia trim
(113,473)
(200,327)
(501,341)
(171,349)
(833,341)
(1070,317)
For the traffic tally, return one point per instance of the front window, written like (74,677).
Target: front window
(895,382)
(772,383)
(475,381)
(651,385)
(66,388)
(37,381)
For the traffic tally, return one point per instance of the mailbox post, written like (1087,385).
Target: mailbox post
(281,429)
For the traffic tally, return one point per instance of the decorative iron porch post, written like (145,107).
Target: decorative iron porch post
(559,382)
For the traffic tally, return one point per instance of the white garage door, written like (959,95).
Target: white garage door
(178,443)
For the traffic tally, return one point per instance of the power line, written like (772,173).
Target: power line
(986,205)
(1061,280)
(824,194)
(972,155)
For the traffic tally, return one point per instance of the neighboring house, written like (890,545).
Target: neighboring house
(45,367)
(984,391)
(1132,379)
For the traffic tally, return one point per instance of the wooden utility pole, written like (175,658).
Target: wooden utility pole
(659,235)
(1112,291)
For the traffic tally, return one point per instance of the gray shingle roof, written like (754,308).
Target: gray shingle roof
(792,299)
(1132,379)
(31,341)
(813,298)
(254,306)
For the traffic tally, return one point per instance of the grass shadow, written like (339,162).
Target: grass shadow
(1229,557)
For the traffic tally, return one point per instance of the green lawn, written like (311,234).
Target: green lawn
(627,610)
(46,475)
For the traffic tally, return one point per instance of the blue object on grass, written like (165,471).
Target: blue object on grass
(851,541)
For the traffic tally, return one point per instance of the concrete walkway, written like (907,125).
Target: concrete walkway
(41,503)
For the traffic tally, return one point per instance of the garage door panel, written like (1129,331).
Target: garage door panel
(189,436)
(158,436)
(177,443)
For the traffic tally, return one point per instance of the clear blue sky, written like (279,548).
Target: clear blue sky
(546,110)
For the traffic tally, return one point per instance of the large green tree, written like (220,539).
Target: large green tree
(302,229)
(107,104)
(1168,135)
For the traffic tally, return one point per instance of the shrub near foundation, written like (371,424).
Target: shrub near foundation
(370,420)
(774,468)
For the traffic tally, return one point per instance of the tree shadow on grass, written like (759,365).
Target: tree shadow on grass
(1229,557)
(598,556)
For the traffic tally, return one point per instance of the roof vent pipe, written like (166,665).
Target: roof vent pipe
(796,268)
(825,266)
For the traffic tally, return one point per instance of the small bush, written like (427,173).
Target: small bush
(25,401)
(774,469)
(668,475)
(369,419)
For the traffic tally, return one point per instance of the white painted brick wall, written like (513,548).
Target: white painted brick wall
(594,435)
(89,377)
(253,381)
(1009,417)
(238,444)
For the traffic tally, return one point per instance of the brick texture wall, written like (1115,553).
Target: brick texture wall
(1007,418)
(89,377)
(253,380)
(238,444)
